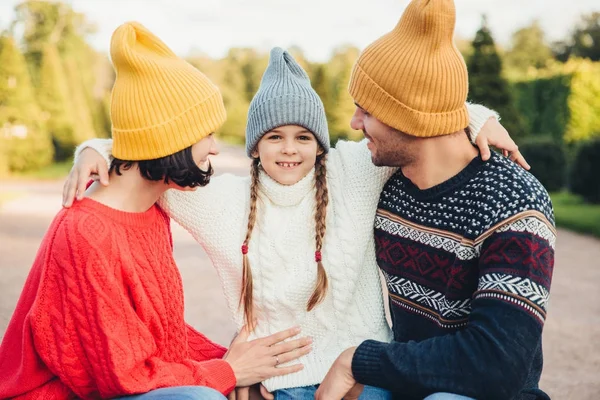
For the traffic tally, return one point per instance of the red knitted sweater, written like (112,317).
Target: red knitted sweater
(101,313)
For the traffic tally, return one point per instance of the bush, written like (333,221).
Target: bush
(584,179)
(547,158)
(562,100)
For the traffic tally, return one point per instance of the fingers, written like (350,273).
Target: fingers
(265,393)
(284,347)
(82,181)
(279,336)
(519,159)
(278,371)
(102,169)
(293,354)
(484,149)
(69,189)
(242,393)
(231,396)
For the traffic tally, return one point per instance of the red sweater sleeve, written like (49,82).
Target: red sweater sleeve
(88,333)
(202,348)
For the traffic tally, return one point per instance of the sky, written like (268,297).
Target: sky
(316,26)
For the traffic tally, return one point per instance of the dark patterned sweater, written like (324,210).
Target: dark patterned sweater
(468,265)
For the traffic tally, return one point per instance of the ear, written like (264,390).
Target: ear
(320,150)
(255,154)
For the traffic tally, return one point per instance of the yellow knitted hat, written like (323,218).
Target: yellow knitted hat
(414,79)
(160,104)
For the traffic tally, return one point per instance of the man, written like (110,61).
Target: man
(101,313)
(466,246)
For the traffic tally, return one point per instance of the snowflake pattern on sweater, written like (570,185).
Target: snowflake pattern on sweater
(468,266)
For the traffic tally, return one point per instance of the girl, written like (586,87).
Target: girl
(293,243)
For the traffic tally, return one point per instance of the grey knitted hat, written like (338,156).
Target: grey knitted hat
(285,97)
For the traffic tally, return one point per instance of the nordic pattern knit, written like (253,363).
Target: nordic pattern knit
(101,313)
(282,248)
(468,265)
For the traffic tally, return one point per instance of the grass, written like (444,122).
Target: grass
(571,212)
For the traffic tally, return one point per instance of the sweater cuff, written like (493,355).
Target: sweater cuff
(221,377)
(367,363)
(102,146)
(478,116)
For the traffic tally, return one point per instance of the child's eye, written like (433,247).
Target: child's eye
(304,137)
(274,137)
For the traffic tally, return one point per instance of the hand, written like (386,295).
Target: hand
(265,393)
(493,133)
(257,360)
(88,163)
(339,382)
(239,393)
(251,393)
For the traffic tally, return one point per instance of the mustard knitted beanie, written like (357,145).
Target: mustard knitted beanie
(414,79)
(160,104)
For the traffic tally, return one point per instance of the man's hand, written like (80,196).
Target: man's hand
(339,382)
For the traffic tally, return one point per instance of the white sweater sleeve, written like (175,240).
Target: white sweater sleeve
(212,214)
(102,146)
(478,116)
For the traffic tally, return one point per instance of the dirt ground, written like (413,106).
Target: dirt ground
(571,335)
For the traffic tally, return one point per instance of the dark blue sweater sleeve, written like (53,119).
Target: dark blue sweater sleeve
(491,357)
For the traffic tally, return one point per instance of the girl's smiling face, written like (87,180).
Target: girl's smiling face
(288,153)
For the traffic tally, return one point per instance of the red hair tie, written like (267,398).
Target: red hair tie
(244,249)
(317,256)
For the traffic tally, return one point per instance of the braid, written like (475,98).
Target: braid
(247,289)
(322,199)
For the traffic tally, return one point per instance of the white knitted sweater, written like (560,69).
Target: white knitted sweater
(282,247)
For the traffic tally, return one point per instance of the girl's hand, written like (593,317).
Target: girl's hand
(89,163)
(265,393)
(493,133)
(250,393)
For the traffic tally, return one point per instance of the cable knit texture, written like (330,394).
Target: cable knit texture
(282,247)
(101,313)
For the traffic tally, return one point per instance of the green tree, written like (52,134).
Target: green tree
(26,144)
(55,25)
(53,97)
(528,49)
(584,42)
(234,88)
(321,82)
(341,103)
(486,84)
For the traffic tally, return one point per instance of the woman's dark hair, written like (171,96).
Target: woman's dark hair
(178,168)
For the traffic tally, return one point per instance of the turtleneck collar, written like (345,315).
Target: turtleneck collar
(286,195)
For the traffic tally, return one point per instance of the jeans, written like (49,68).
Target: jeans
(308,392)
(179,393)
(447,396)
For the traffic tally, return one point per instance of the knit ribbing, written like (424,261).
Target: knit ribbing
(414,79)
(160,104)
(285,97)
